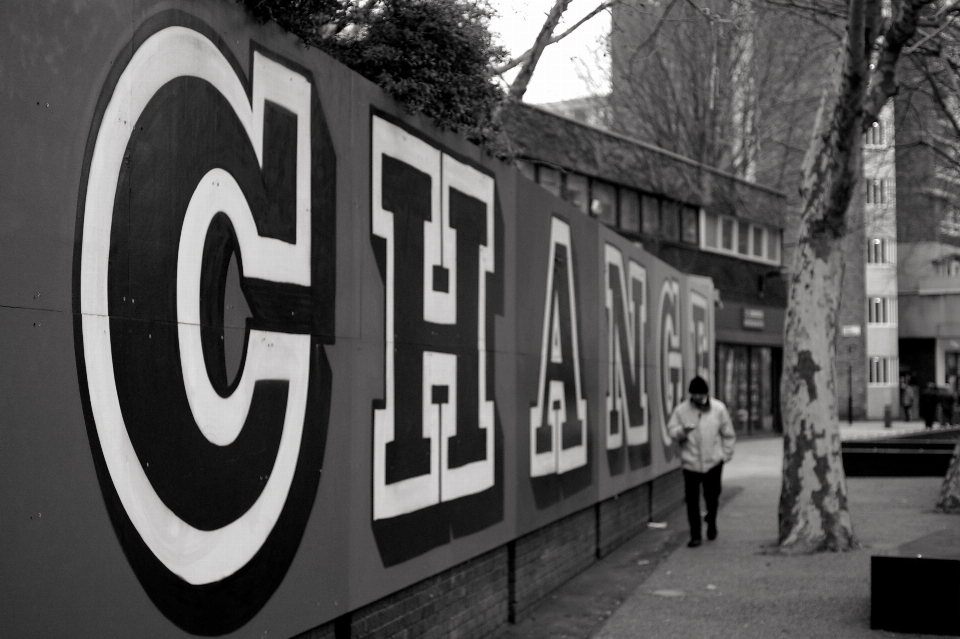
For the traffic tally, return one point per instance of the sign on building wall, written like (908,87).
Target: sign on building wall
(753,319)
(275,350)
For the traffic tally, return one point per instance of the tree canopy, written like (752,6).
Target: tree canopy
(433,56)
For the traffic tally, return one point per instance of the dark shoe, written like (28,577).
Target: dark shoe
(711,531)
(693,543)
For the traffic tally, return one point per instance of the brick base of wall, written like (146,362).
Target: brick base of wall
(621,517)
(475,599)
(666,493)
(548,557)
(467,601)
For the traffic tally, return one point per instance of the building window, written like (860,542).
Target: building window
(549,179)
(727,234)
(629,210)
(651,215)
(748,382)
(876,191)
(670,220)
(948,267)
(881,250)
(950,223)
(952,369)
(883,371)
(711,231)
(876,135)
(603,203)
(743,239)
(575,191)
(882,310)
(527,170)
(773,245)
(690,225)
(758,241)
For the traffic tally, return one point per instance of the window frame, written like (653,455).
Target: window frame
(670,212)
(876,136)
(622,196)
(881,251)
(876,191)
(596,186)
(541,168)
(690,214)
(769,236)
(882,311)
(646,215)
(568,192)
(882,371)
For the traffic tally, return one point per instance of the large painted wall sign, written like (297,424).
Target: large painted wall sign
(209,480)
(437,449)
(671,358)
(627,415)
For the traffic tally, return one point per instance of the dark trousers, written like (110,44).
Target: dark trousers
(711,495)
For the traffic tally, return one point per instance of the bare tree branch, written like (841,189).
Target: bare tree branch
(653,34)
(523,57)
(883,81)
(940,98)
(519,86)
(928,36)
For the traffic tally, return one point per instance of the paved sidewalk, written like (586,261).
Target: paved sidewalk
(869,429)
(730,588)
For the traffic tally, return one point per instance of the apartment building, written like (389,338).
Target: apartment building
(928,229)
(879,238)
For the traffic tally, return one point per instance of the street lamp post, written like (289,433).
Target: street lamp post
(851,330)
(850,386)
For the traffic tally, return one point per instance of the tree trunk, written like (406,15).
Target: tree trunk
(813,514)
(813,499)
(949,501)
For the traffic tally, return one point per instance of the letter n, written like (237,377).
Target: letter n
(626,309)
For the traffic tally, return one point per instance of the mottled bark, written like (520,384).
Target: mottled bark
(949,500)
(813,514)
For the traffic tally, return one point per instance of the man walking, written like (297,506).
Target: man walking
(702,426)
(906,400)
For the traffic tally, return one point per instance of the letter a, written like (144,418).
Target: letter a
(558,419)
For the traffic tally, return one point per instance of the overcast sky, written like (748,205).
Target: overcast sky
(564,67)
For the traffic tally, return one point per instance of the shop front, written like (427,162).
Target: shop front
(749,355)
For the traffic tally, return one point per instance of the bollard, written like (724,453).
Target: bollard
(886,416)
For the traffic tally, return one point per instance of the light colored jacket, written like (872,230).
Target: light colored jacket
(706,438)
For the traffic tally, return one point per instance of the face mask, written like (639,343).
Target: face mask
(703,404)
